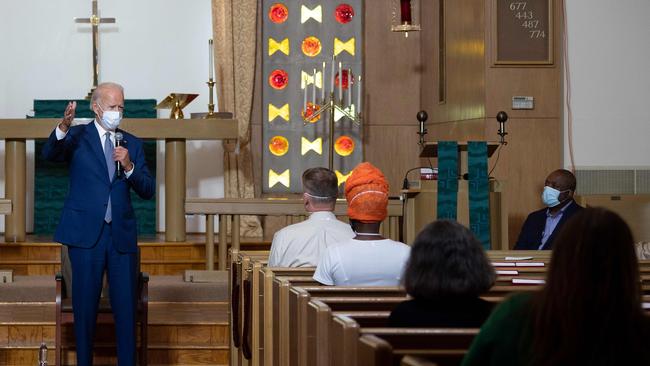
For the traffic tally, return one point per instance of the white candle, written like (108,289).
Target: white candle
(313,89)
(349,87)
(322,85)
(340,82)
(304,100)
(332,76)
(359,96)
(210,59)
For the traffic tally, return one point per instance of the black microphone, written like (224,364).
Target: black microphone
(119,140)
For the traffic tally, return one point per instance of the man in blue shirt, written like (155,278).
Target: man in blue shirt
(541,227)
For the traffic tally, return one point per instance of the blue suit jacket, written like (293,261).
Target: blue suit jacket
(530,236)
(85,206)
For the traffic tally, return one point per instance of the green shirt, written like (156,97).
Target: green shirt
(505,337)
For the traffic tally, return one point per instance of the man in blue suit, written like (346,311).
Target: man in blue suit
(98,222)
(541,227)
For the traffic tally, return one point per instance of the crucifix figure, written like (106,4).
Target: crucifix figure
(94,20)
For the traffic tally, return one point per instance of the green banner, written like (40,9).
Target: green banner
(479,191)
(447,180)
(51,179)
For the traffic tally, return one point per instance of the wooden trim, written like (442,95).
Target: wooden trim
(145,128)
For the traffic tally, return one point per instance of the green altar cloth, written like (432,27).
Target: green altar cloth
(51,179)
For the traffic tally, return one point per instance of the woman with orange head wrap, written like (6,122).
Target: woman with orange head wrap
(368,259)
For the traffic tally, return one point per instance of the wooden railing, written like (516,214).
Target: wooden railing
(230,211)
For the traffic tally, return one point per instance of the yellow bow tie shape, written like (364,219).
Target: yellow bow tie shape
(342,177)
(338,114)
(316,146)
(340,46)
(315,13)
(282,112)
(282,46)
(282,178)
(307,79)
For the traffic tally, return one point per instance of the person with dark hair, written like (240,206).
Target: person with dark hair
(301,244)
(368,259)
(589,312)
(445,274)
(540,227)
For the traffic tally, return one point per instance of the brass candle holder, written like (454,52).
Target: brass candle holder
(211,113)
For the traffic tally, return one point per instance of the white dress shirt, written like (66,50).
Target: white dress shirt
(363,263)
(301,244)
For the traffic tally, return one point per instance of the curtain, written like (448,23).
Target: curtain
(234,31)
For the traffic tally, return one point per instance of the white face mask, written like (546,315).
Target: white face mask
(111,119)
(551,196)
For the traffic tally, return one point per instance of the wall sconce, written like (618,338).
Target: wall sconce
(405,16)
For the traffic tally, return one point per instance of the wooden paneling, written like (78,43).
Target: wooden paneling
(394,150)
(477,90)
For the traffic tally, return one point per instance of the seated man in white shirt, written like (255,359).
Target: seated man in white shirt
(301,245)
(368,259)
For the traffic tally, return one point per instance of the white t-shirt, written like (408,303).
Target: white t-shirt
(363,263)
(302,244)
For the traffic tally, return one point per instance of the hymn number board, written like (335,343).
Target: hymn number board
(524,32)
(300,39)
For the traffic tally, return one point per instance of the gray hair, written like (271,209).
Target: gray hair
(98,92)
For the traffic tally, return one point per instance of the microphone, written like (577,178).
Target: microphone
(502,117)
(119,141)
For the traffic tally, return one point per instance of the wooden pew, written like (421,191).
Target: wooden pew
(299,298)
(387,346)
(239,263)
(410,360)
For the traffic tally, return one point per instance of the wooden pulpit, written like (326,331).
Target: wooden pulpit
(175,132)
(421,202)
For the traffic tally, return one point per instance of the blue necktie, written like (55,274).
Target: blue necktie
(110,164)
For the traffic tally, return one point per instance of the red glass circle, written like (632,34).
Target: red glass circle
(278,13)
(344,13)
(278,79)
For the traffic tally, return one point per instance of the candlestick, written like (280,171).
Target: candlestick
(210,59)
(313,89)
(340,82)
(405,11)
(304,101)
(349,87)
(332,76)
(322,84)
(359,96)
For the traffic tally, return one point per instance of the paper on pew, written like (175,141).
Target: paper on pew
(530,264)
(527,281)
(646,305)
(508,273)
(518,258)
(503,264)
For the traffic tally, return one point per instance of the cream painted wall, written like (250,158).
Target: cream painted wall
(609,60)
(156,47)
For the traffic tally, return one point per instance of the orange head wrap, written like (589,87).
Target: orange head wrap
(366,191)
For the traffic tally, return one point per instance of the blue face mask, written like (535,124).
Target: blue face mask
(551,196)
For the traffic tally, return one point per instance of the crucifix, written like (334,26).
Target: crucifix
(95,20)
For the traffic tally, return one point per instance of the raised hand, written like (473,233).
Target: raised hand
(68,116)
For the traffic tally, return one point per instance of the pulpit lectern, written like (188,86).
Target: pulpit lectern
(421,203)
